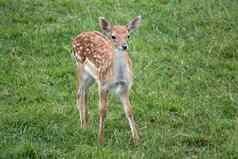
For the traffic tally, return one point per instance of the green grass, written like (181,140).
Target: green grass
(185,92)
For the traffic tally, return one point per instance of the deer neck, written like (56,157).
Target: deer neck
(121,65)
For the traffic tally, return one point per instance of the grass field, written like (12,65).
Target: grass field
(185,92)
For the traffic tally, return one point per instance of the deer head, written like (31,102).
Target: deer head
(119,34)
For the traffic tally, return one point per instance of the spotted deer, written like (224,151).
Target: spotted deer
(103,57)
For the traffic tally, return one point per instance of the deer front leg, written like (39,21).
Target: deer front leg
(124,97)
(103,95)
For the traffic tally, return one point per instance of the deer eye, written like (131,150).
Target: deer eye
(113,37)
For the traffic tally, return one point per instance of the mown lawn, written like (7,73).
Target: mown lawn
(185,92)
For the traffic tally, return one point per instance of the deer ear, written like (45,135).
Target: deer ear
(134,24)
(105,25)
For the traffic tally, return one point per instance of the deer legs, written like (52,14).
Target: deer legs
(124,97)
(103,105)
(84,82)
(82,107)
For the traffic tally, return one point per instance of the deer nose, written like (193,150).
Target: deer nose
(124,46)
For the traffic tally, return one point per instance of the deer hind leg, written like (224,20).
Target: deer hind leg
(103,105)
(124,97)
(84,82)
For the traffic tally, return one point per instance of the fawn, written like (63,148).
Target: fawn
(104,58)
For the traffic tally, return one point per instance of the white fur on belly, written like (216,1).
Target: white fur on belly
(91,69)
